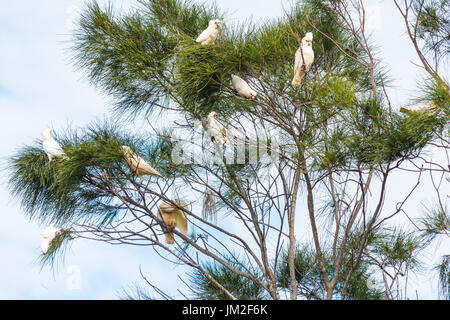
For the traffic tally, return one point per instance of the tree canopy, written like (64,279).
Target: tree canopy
(324,150)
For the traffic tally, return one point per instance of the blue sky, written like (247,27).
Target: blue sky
(39,87)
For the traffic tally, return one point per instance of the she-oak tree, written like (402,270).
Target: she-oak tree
(328,150)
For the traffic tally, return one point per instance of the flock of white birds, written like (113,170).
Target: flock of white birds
(171,214)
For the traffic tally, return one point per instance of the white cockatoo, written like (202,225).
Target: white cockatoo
(304,58)
(217,130)
(209,35)
(51,147)
(137,164)
(242,87)
(421,108)
(48,235)
(173,217)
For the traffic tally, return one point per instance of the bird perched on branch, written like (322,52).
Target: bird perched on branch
(137,164)
(51,147)
(209,35)
(48,235)
(304,58)
(173,217)
(429,108)
(242,87)
(216,130)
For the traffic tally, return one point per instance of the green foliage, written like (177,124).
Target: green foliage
(334,155)
(180,17)
(444,277)
(377,137)
(149,62)
(335,92)
(309,276)
(402,138)
(57,247)
(240,287)
(435,222)
(136,293)
(201,69)
(438,92)
(124,56)
(132,57)
(76,188)
(408,135)
(433,24)
(397,248)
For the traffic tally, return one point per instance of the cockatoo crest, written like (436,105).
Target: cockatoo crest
(308,38)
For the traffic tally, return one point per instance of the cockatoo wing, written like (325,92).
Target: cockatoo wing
(139,165)
(303,62)
(53,148)
(225,141)
(180,217)
(50,232)
(242,87)
(406,111)
(168,220)
(298,68)
(214,132)
(220,127)
(144,168)
(218,131)
(298,60)
(421,108)
(308,55)
(166,213)
(204,35)
(172,217)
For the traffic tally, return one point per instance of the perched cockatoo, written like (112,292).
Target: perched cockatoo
(137,164)
(242,87)
(217,130)
(48,235)
(304,58)
(209,35)
(421,108)
(173,217)
(51,147)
